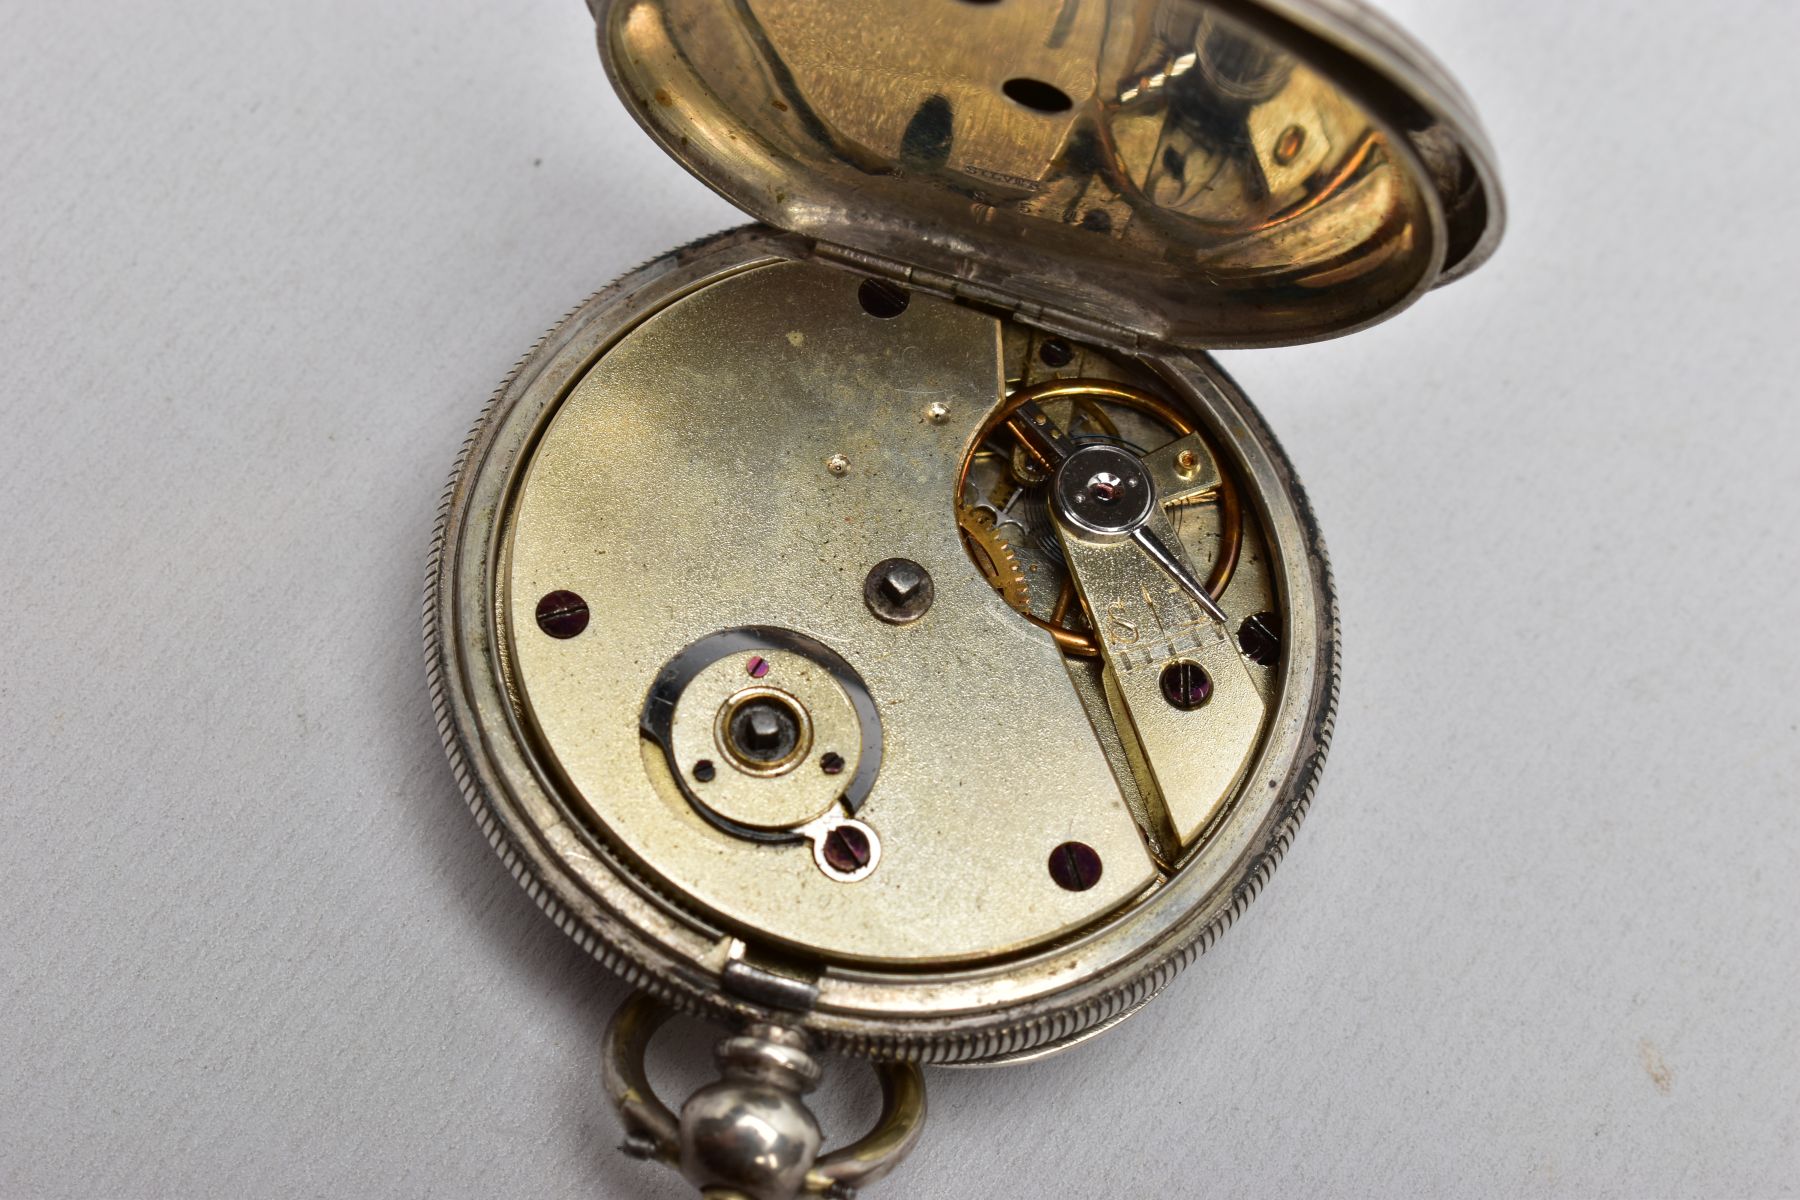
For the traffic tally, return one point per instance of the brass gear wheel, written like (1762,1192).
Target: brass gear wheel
(996,559)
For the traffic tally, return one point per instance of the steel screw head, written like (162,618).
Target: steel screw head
(1260,638)
(562,614)
(1055,352)
(898,590)
(704,770)
(1185,684)
(1075,866)
(831,762)
(847,849)
(757,667)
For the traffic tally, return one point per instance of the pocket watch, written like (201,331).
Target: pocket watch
(882,628)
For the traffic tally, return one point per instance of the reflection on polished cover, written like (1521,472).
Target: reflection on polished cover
(1160,166)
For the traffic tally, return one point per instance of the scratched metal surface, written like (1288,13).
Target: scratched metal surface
(264,262)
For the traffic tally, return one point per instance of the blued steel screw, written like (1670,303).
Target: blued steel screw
(1054,352)
(1186,685)
(1260,637)
(562,614)
(1075,866)
(831,762)
(846,849)
(704,770)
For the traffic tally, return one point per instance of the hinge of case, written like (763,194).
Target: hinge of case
(1051,319)
(754,975)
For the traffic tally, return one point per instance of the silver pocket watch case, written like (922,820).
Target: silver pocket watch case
(883,628)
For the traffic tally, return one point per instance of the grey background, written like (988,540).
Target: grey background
(262,264)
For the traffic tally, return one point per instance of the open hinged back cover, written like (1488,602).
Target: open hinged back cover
(1199,174)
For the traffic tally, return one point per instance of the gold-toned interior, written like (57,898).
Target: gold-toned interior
(686,485)
(1155,165)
